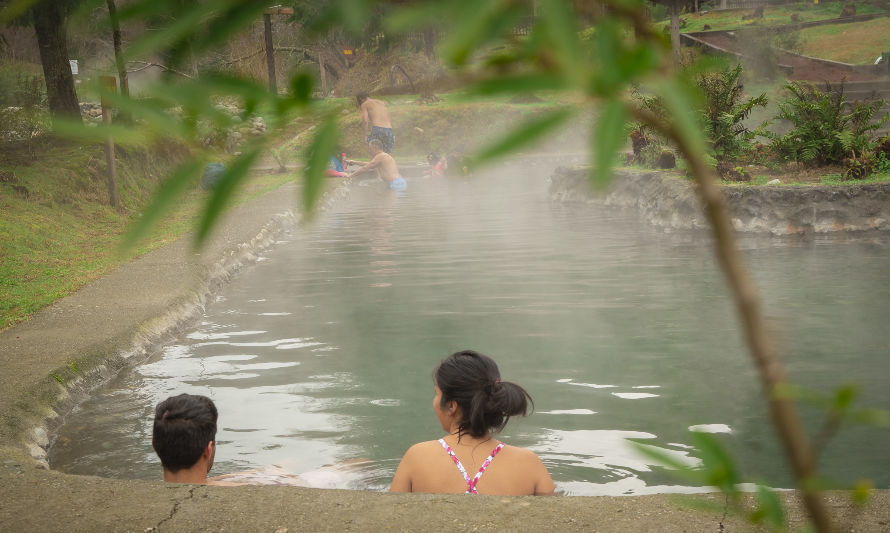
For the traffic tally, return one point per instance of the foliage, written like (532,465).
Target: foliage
(25,118)
(825,127)
(882,163)
(725,112)
(718,469)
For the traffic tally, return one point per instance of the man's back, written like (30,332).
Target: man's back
(388,168)
(377,113)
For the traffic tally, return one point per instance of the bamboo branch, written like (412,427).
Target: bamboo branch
(772,373)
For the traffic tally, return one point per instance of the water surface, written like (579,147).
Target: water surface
(322,352)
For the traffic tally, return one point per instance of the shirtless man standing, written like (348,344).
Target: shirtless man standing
(384,163)
(375,117)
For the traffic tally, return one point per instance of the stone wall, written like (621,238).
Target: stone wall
(670,201)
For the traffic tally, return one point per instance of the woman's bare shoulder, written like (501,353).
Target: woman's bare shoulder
(424,447)
(518,452)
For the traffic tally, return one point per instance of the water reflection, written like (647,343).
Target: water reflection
(612,464)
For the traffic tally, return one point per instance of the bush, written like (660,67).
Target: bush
(725,112)
(27,118)
(825,127)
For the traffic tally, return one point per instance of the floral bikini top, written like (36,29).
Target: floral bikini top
(471,483)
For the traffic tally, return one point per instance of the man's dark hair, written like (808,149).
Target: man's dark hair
(361,97)
(183,427)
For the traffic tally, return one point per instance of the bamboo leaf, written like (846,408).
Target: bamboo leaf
(719,467)
(769,508)
(316,158)
(608,138)
(164,198)
(224,190)
(679,101)
(236,17)
(527,133)
(301,88)
(667,460)
(15,9)
(479,22)
(561,26)
(185,24)
(516,84)
(76,129)
(410,18)
(354,14)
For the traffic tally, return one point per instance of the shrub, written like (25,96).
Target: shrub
(27,118)
(725,112)
(825,127)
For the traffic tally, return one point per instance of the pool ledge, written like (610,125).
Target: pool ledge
(54,360)
(669,201)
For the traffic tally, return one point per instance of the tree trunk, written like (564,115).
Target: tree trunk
(429,43)
(675,30)
(49,24)
(118,55)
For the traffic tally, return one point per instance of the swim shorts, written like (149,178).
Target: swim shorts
(398,184)
(386,137)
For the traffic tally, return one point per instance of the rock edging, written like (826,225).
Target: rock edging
(670,202)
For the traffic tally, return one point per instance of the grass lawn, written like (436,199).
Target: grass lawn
(856,42)
(772,15)
(825,179)
(60,234)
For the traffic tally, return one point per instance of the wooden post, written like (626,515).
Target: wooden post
(270,53)
(324,83)
(110,84)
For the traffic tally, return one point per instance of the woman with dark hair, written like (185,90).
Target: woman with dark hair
(471,403)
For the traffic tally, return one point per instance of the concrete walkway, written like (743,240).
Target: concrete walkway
(51,362)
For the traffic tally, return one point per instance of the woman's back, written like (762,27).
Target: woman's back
(472,402)
(428,467)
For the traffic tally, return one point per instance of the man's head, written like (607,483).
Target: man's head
(184,431)
(361,97)
(375,146)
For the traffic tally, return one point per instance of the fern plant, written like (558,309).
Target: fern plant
(825,127)
(725,111)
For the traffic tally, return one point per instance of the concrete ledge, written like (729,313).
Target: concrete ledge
(671,202)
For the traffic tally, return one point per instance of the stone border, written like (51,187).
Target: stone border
(671,202)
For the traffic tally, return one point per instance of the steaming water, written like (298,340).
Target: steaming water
(322,352)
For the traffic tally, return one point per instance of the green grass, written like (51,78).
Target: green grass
(772,15)
(855,43)
(826,179)
(62,235)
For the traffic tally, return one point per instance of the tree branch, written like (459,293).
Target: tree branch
(772,373)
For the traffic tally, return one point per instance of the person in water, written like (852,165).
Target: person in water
(184,437)
(471,403)
(378,124)
(385,165)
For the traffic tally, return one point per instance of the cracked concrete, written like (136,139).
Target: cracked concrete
(112,324)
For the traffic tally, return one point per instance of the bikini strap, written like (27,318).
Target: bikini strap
(471,484)
(457,463)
